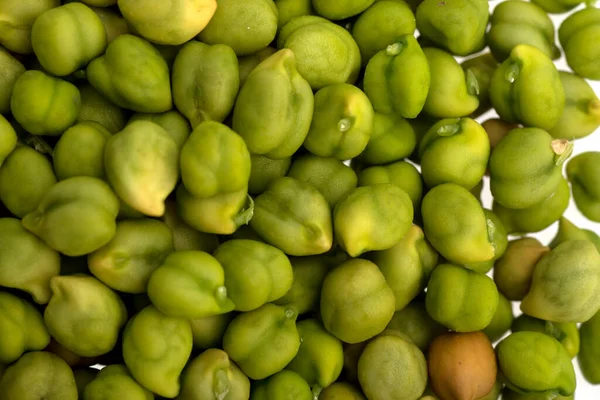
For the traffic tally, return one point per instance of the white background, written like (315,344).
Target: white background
(585,391)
